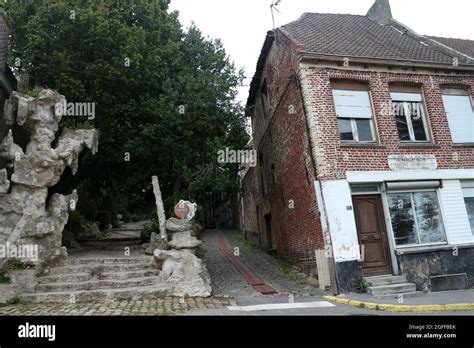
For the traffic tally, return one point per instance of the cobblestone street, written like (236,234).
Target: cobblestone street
(165,306)
(226,280)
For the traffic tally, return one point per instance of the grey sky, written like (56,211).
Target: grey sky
(242,24)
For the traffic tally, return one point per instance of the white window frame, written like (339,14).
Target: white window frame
(453,92)
(467,188)
(411,192)
(353,120)
(398,96)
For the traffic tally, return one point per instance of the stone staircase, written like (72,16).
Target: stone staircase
(98,279)
(389,286)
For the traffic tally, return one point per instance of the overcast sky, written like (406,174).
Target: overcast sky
(242,24)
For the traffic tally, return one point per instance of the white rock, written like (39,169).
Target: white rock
(183,273)
(184,240)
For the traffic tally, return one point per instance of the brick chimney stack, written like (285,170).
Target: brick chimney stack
(380,12)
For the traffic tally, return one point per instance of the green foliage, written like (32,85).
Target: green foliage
(15,299)
(149,228)
(137,105)
(76,223)
(87,206)
(362,286)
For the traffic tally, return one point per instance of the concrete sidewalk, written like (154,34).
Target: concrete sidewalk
(462,300)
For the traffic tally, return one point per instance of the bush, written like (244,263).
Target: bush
(87,206)
(105,219)
(148,229)
(76,223)
(362,286)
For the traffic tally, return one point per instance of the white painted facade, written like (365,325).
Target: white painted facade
(341,219)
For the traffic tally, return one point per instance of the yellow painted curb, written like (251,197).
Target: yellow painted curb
(402,308)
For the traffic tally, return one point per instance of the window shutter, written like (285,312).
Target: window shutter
(460,118)
(408,97)
(352,104)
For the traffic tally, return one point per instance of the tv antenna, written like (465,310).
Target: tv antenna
(273,6)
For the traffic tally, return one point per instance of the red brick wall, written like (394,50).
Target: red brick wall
(285,147)
(334,159)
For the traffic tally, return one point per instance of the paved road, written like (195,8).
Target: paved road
(227,281)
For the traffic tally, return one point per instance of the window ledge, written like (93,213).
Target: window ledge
(430,145)
(370,145)
(424,249)
(464,145)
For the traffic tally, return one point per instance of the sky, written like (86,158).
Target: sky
(243,24)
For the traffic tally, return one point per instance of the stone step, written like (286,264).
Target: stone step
(87,268)
(391,289)
(82,277)
(386,280)
(108,260)
(98,295)
(404,294)
(98,284)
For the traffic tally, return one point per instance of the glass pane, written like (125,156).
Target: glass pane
(364,130)
(403,219)
(402,125)
(470,211)
(365,188)
(416,113)
(345,129)
(428,216)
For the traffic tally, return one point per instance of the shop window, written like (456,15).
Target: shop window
(410,116)
(460,113)
(354,112)
(416,218)
(468,192)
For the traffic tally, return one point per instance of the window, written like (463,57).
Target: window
(410,116)
(416,218)
(468,193)
(354,112)
(460,113)
(265,97)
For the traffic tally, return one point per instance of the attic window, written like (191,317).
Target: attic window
(265,97)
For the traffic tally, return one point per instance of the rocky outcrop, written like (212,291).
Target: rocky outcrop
(184,240)
(178,225)
(183,272)
(28,215)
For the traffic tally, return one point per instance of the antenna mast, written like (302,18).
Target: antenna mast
(273,7)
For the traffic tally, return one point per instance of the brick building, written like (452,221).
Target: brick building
(365,138)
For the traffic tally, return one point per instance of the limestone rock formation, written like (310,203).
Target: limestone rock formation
(183,273)
(184,240)
(178,225)
(28,215)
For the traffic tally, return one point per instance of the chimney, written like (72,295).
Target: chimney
(380,12)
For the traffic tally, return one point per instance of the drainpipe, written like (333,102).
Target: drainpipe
(322,208)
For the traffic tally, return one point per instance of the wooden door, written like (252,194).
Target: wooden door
(372,234)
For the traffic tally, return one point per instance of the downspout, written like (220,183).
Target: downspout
(311,146)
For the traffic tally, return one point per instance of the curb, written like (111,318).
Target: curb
(403,308)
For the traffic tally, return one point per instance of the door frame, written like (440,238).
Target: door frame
(385,231)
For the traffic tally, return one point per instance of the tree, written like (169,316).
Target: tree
(165,98)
